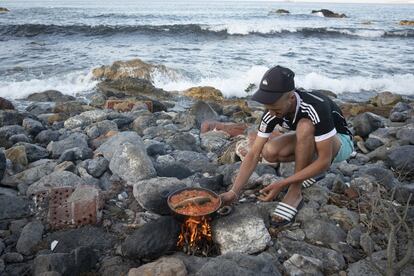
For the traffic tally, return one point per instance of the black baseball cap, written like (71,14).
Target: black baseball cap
(275,82)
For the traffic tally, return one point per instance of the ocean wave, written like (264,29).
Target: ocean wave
(229,29)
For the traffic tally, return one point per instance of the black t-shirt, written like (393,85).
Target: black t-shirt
(320,109)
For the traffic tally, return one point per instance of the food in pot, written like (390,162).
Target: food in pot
(194,202)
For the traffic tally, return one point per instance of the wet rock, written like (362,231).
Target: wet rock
(100,128)
(366,123)
(325,232)
(78,262)
(153,239)
(303,265)
(13,207)
(85,118)
(152,193)
(30,236)
(74,140)
(75,154)
(163,266)
(245,234)
(279,11)
(203,112)
(116,141)
(4,10)
(332,260)
(34,152)
(92,237)
(204,93)
(32,127)
(131,162)
(55,179)
(235,264)
(402,159)
(5,104)
(49,96)
(407,23)
(328,13)
(38,108)
(97,167)
(10,117)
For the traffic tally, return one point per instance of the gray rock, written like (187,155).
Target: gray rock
(163,133)
(354,236)
(2,247)
(401,107)
(77,153)
(153,239)
(34,152)
(10,117)
(32,127)
(373,143)
(332,261)
(38,108)
(399,116)
(382,176)
(174,169)
(156,148)
(367,243)
(168,265)
(142,122)
(325,232)
(402,159)
(403,191)
(299,265)
(386,135)
(96,167)
(85,118)
(72,141)
(14,139)
(78,262)
(55,179)
(346,218)
(13,207)
(286,169)
(244,234)
(195,161)
(8,131)
(317,194)
(117,265)
(112,144)
(131,162)
(46,136)
(366,123)
(406,134)
(237,264)
(30,236)
(3,164)
(350,254)
(13,257)
(49,96)
(31,174)
(230,172)
(152,194)
(215,141)
(100,128)
(183,141)
(202,112)
(2,266)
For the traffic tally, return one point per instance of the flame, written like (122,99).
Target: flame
(194,232)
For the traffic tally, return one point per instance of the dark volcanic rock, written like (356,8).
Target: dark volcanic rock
(175,169)
(3,164)
(112,266)
(12,207)
(46,136)
(32,127)
(55,179)
(152,240)
(5,104)
(203,112)
(366,123)
(328,13)
(34,152)
(10,117)
(402,159)
(76,153)
(49,96)
(72,141)
(30,236)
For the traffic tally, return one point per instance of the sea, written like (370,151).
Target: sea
(226,44)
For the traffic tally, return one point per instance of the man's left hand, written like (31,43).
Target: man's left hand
(271,191)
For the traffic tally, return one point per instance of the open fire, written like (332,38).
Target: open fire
(195,237)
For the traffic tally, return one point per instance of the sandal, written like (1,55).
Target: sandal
(285,211)
(310,181)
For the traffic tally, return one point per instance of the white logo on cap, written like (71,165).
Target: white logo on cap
(264,82)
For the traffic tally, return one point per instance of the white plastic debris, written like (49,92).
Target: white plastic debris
(53,245)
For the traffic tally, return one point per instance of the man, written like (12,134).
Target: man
(321,137)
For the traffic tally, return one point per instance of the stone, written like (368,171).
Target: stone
(215,141)
(5,104)
(13,257)
(244,234)
(30,236)
(183,141)
(366,123)
(373,143)
(347,219)
(233,129)
(49,96)
(279,11)
(117,265)
(407,23)
(116,141)
(46,136)
(142,122)
(96,238)
(156,148)
(55,179)
(69,108)
(332,261)
(383,176)
(204,93)
(31,174)
(14,139)
(286,169)
(3,164)
(152,194)
(366,243)
(401,107)
(78,262)
(328,13)
(38,108)
(100,128)
(402,159)
(85,118)
(6,132)
(236,264)
(403,191)
(230,173)
(174,169)
(385,99)
(74,140)
(406,134)
(10,117)
(317,194)
(32,127)
(131,162)
(97,167)
(74,154)
(195,161)
(17,155)
(165,266)
(325,232)
(34,152)
(354,236)
(303,265)
(399,116)
(13,207)
(203,112)
(153,239)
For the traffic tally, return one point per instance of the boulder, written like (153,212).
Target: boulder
(5,104)
(34,152)
(215,141)
(75,154)
(38,108)
(13,207)
(85,118)
(32,127)
(406,134)
(114,142)
(131,162)
(233,129)
(49,96)
(279,11)
(4,10)
(366,123)
(55,179)
(195,161)
(152,194)
(303,265)
(324,232)
(100,128)
(183,141)
(173,169)
(70,108)
(203,112)
(385,99)
(135,68)
(117,265)
(96,167)
(17,155)
(402,159)
(328,13)
(47,136)
(240,233)
(407,23)
(30,236)
(3,164)
(163,266)
(153,239)
(204,93)
(56,148)
(32,174)
(10,117)
(142,122)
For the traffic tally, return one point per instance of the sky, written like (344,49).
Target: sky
(349,1)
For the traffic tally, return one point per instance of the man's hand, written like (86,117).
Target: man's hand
(271,191)
(227,198)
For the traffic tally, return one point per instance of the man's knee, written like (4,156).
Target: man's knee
(272,152)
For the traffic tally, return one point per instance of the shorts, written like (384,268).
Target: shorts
(347,147)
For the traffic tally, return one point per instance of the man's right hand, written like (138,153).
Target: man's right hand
(227,198)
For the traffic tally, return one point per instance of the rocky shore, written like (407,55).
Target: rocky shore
(83,185)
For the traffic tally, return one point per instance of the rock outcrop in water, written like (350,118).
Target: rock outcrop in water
(407,22)
(328,13)
(4,10)
(118,164)
(279,11)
